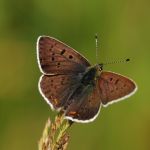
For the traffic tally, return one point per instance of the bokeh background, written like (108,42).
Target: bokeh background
(124,31)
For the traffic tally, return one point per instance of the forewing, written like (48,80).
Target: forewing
(55,57)
(85,105)
(114,87)
(56,89)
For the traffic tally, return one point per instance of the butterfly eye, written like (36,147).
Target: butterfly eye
(100,67)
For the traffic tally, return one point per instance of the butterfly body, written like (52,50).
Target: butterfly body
(70,84)
(91,75)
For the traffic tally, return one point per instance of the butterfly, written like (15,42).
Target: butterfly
(71,84)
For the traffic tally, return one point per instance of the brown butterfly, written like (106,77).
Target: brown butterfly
(70,84)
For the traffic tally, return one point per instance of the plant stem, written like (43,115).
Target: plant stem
(55,136)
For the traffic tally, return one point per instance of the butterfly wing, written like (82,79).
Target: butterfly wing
(56,88)
(84,104)
(114,87)
(54,57)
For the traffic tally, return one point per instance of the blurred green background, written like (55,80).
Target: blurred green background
(124,31)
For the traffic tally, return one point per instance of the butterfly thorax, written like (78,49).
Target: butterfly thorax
(91,75)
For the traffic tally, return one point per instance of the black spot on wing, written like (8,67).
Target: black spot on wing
(62,52)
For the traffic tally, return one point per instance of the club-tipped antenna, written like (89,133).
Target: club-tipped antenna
(117,61)
(126,60)
(96,44)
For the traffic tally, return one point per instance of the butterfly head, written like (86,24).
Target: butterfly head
(98,68)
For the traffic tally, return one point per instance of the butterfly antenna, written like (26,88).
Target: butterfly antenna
(117,61)
(96,42)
